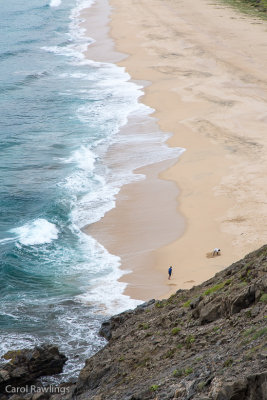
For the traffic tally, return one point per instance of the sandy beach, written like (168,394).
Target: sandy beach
(206,65)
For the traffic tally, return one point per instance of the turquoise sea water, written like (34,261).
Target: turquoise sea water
(59,115)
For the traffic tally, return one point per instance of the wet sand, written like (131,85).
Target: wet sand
(207,65)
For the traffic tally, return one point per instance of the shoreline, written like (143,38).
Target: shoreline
(199,73)
(118,232)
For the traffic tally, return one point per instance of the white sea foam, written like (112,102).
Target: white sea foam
(55,3)
(94,205)
(111,99)
(114,101)
(107,295)
(84,158)
(106,292)
(78,42)
(39,231)
(80,5)
(68,51)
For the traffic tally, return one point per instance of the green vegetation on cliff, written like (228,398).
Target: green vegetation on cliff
(260,5)
(254,7)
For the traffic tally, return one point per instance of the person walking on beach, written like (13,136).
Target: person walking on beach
(216,252)
(170,272)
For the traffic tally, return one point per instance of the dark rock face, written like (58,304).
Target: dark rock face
(114,322)
(105,330)
(211,312)
(25,366)
(252,387)
(243,300)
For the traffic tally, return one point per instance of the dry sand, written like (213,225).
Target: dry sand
(207,65)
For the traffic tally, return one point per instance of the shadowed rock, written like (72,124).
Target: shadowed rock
(26,365)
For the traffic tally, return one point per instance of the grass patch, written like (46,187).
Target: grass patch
(201,385)
(228,362)
(189,341)
(251,352)
(143,363)
(170,353)
(187,303)
(217,287)
(260,333)
(249,332)
(188,371)
(171,299)
(263,298)
(154,388)
(256,333)
(254,8)
(177,373)
(175,330)
(143,326)
(159,304)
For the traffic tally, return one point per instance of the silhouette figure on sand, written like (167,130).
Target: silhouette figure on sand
(170,272)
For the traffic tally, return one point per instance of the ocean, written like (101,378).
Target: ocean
(60,113)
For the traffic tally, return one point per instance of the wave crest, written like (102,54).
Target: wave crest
(39,231)
(55,3)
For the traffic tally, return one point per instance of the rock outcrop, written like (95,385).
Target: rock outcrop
(25,366)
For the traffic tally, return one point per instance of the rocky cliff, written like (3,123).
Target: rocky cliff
(205,343)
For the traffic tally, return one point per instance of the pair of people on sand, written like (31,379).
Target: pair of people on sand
(216,252)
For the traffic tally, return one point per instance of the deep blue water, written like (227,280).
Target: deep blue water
(59,114)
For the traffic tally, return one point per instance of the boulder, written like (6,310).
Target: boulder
(210,312)
(194,303)
(243,300)
(252,387)
(26,365)
(105,330)
(116,321)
